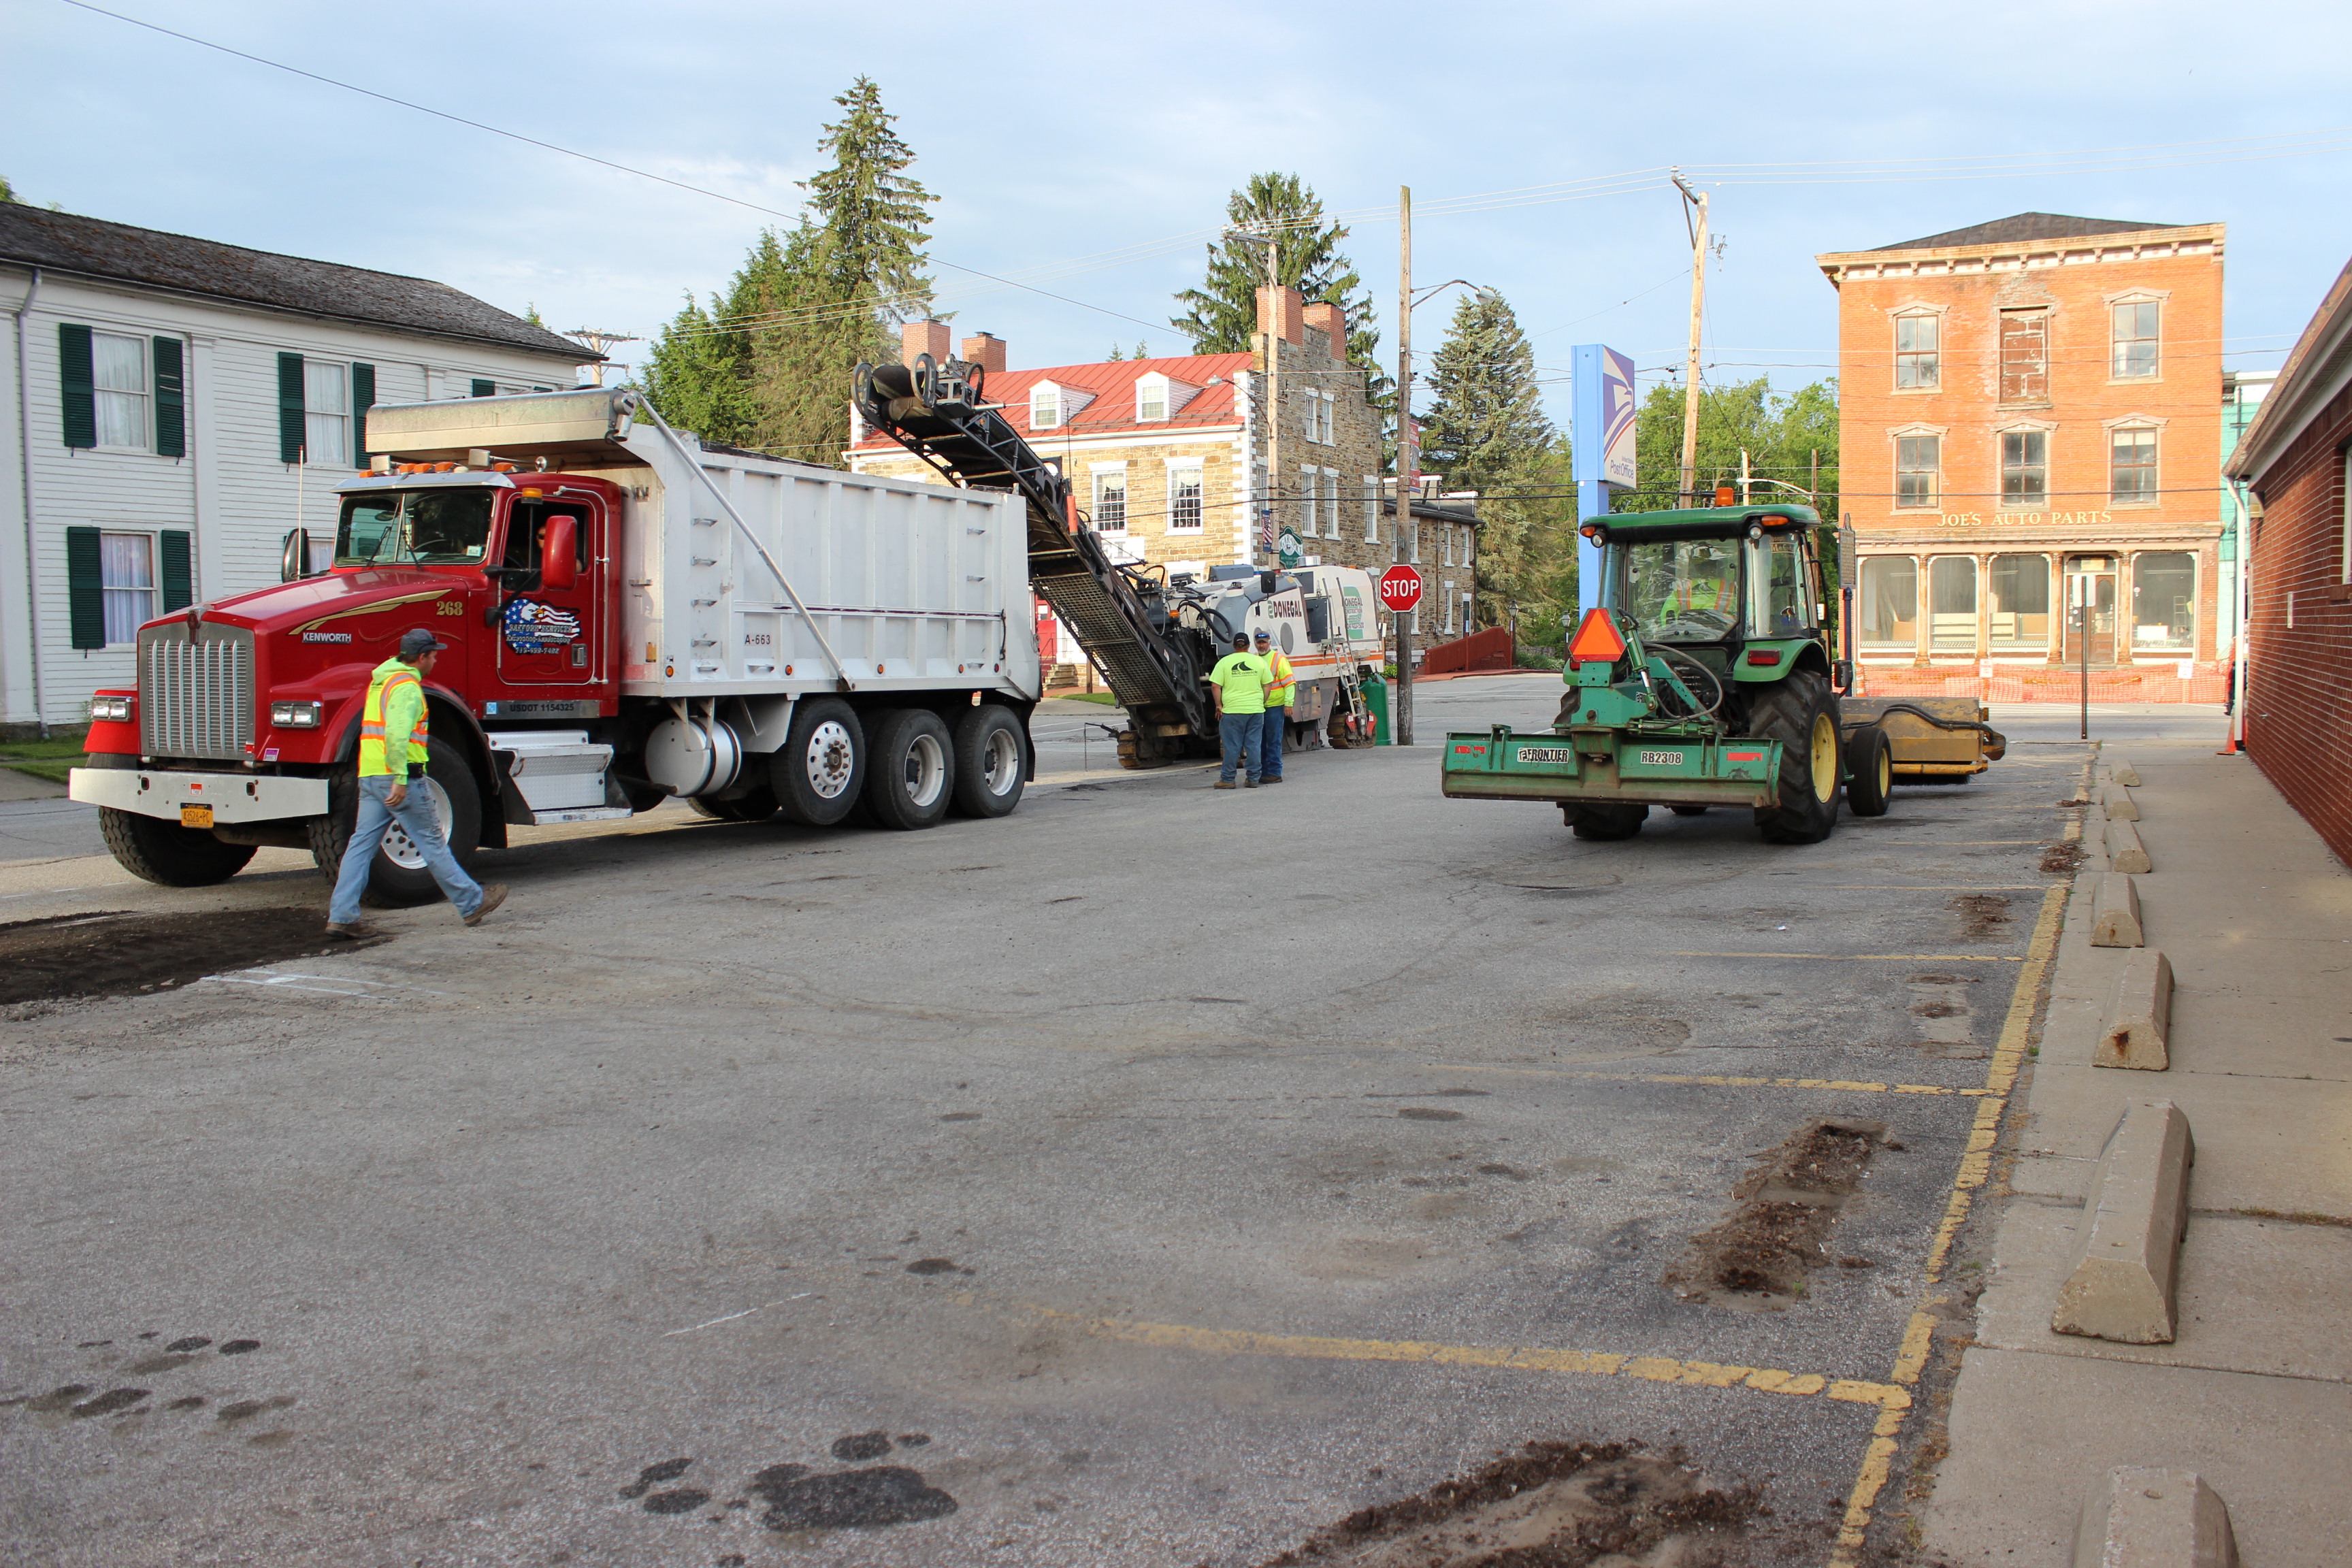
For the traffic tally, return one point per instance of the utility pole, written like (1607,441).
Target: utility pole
(1690,373)
(1272,395)
(1744,482)
(598,342)
(1408,463)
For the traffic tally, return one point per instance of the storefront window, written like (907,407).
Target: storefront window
(1890,601)
(2164,603)
(2021,602)
(1952,593)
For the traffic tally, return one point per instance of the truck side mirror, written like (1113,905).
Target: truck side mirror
(294,555)
(559,554)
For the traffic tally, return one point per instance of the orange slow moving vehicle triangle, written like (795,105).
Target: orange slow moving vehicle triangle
(1598,639)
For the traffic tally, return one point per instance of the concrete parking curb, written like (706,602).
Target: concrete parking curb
(2115,912)
(2123,773)
(2136,1518)
(2126,853)
(2140,1013)
(2126,1261)
(2117,803)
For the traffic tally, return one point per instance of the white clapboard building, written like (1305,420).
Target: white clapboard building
(171,403)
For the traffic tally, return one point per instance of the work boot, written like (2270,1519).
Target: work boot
(492,897)
(352,930)
(1252,784)
(1225,784)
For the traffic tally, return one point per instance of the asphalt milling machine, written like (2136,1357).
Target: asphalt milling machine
(1154,636)
(1707,676)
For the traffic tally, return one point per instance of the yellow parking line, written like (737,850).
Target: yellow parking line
(1711,1080)
(1513,1358)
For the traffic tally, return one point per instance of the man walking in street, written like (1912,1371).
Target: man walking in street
(1280,684)
(392,757)
(1238,683)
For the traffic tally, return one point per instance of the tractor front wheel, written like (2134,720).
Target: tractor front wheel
(1870,772)
(1604,824)
(1801,713)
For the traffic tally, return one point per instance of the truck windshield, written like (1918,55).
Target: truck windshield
(424,528)
(1687,590)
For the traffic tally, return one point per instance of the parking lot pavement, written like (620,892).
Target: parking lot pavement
(1153,1176)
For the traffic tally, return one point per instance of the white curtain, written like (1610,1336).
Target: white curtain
(120,375)
(326,420)
(126,572)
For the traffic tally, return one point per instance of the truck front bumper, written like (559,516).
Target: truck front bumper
(199,800)
(1612,767)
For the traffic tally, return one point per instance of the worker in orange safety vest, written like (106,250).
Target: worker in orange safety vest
(1280,687)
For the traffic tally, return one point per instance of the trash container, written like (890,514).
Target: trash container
(1376,698)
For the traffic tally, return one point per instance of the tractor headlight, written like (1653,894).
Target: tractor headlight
(295,715)
(111,710)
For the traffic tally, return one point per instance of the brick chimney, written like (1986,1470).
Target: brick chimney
(923,337)
(1288,324)
(986,350)
(1333,321)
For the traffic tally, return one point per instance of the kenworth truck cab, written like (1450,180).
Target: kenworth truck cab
(630,616)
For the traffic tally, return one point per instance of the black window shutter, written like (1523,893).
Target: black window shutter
(485,389)
(178,582)
(363,399)
(170,399)
(85,589)
(291,436)
(76,380)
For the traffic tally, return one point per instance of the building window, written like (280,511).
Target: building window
(1045,407)
(1184,500)
(1952,601)
(1319,422)
(1918,361)
(1151,398)
(2134,331)
(1330,504)
(2021,603)
(126,576)
(326,413)
(1110,502)
(1890,601)
(2164,602)
(2025,356)
(2024,468)
(2131,467)
(1918,460)
(1373,509)
(119,385)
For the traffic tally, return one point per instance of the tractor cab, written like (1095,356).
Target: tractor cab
(1714,582)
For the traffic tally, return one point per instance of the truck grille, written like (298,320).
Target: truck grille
(195,697)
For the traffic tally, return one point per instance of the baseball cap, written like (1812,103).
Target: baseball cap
(416,640)
(1264,637)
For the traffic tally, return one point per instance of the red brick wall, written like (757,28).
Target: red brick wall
(2299,680)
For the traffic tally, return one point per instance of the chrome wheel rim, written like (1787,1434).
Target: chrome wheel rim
(926,773)
(1003,761)
(399,848)
(832,759)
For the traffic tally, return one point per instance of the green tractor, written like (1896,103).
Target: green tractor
(1704,678)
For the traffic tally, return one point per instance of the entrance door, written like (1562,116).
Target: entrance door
(2091,610)
(547,636)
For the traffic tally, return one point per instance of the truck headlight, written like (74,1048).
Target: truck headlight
(111,710)
(295,715)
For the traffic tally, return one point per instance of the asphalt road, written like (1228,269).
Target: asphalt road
(1150,1177)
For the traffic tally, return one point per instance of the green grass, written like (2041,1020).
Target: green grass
(46,759)
(1104,698)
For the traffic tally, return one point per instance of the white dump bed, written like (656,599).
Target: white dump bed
(899,585)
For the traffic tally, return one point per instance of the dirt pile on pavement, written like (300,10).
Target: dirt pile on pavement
(1551,1505)
(112,953)
(1779,1233)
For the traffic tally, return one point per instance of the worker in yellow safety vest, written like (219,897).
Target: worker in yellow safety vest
(1280,687)
(1719,593)
(396,751)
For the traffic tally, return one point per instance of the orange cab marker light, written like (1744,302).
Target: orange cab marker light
(1763,655)
(1597,640)
(1774,520)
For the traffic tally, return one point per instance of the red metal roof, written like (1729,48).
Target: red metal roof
(1112,382)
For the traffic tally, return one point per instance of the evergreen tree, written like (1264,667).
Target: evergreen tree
(1221,315)
(7,190)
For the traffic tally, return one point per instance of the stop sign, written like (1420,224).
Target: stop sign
(1399,589)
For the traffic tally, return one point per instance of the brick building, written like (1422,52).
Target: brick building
(1168,457)
(2024,404)
(2296,456)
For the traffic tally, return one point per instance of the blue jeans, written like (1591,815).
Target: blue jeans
(416,815)
(1269,743)
(1240,734)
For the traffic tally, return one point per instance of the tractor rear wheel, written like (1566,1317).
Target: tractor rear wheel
(1870,767)
(1801,713)
(1604,824)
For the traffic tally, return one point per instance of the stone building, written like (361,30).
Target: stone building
(2025,405)
(1168,457)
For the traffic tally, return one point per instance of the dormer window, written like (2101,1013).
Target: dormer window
(1151,399)
(1045,407)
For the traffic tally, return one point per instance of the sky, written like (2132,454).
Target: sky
(1086,152)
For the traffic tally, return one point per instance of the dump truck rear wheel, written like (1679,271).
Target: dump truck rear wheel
(910,777)
(818,774)
(991,761)
(1870,764)
(166,854)
(1801,713)
(1604,824)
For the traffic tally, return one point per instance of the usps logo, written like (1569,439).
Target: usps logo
(530,626)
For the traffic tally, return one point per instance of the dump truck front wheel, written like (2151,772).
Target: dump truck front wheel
(1801,713)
